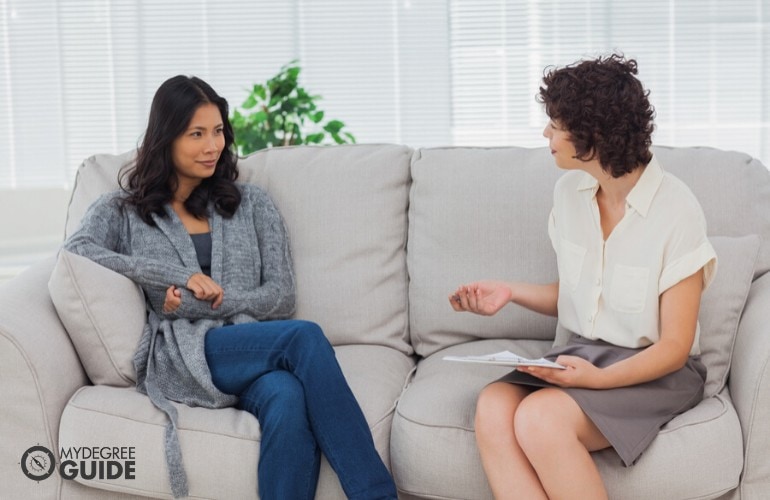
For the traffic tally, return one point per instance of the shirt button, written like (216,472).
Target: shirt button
(598,282)
(590,317)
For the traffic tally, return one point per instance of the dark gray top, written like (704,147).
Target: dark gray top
(202,243)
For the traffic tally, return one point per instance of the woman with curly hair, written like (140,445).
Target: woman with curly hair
(213,259)
(633,259)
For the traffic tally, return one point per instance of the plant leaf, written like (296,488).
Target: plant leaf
(260,91)
(334,126)
(250,102)
(315,138)
(259,117)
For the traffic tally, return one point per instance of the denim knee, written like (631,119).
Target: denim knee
(310,335)
(308,328)
(276,396)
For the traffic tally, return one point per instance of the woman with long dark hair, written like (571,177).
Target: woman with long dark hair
(213,259)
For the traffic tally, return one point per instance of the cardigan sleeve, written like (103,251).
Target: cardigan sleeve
(275,298)
(104,237)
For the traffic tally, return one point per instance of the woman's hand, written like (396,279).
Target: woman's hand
(173,299)
(205,288)
(578,373)
(481,297)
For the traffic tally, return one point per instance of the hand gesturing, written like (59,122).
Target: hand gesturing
(481,297)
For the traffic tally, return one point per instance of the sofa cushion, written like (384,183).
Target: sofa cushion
(220,448)
(496,229)
(433,448)
(434,454)
(722,305)
(221,443)
(345,209)
(707,438)
(104,314)
(97,175)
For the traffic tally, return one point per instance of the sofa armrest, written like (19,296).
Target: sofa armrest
(750,388)
(39,372)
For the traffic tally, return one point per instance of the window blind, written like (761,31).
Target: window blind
(77,76)
(705,63)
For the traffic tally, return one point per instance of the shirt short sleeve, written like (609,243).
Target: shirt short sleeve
(687,251)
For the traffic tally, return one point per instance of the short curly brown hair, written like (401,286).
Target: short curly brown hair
(605,109)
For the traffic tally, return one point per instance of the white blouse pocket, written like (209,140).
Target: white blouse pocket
(628,293)
(571,257)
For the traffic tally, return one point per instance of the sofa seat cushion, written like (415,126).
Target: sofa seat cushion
(220,447)
(699,454)
(215,443)
(433,449)
(434,452)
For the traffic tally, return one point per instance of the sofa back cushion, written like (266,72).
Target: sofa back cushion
(477,213)
(345,208)
(97,175)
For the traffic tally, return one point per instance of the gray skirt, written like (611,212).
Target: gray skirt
(629,417)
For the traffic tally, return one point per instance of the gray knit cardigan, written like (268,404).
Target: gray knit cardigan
(250,260)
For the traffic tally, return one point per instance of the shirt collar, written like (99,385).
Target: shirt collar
(640,197)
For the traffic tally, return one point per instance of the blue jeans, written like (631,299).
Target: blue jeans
(286,374)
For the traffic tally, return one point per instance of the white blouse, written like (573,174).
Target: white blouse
(610,290)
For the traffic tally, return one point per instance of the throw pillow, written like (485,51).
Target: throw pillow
(722,305)
(104,314)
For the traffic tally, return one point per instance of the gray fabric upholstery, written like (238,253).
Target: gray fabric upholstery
(97,175)
(749,385)
(346,213)
(39,371)
(722,305)
(477,213)
(105,337)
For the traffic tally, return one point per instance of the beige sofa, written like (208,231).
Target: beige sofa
(380,235)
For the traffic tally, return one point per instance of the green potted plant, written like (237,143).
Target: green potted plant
(281,113)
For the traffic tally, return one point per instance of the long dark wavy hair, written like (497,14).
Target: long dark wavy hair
(605,109)
(150,181)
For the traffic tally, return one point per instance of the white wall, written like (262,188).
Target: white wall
(31,227)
